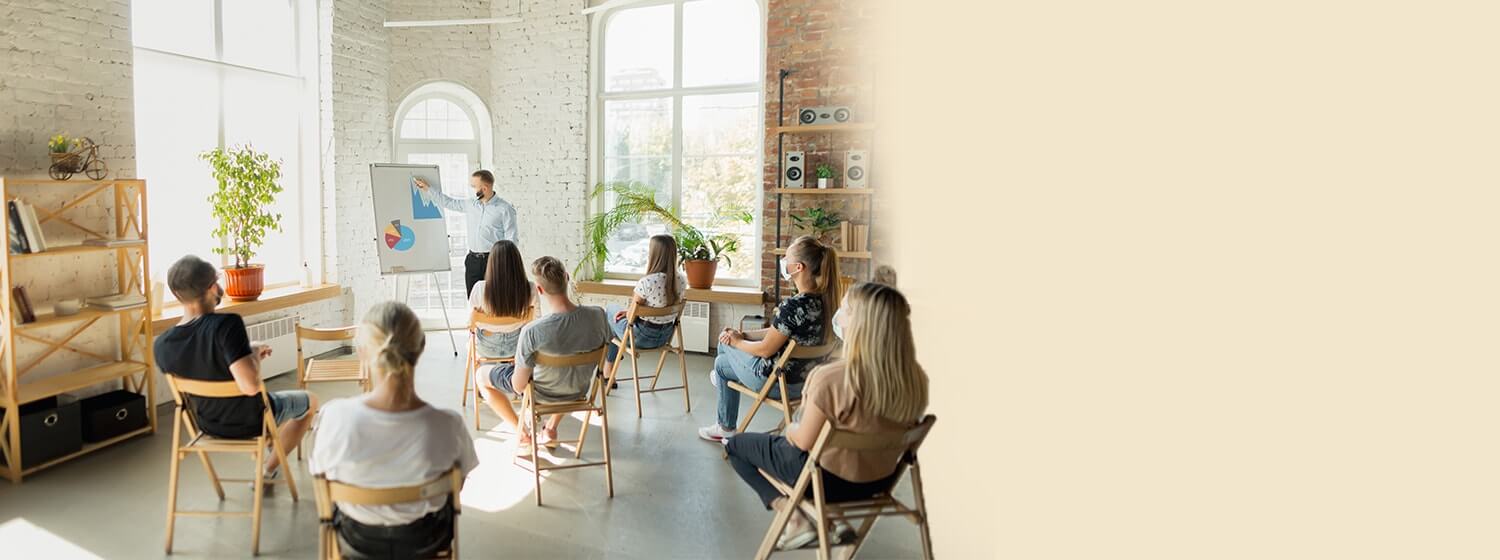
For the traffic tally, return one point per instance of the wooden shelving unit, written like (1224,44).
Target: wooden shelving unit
(131,363)
(782,131)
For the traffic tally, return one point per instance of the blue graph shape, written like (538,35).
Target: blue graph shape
(421,208)
(408,239)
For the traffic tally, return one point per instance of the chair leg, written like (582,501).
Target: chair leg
(635,373)
(860,533)
(822,516)
(286,470)
(463,399)
(755,406)
(921,503)
(609,469)
(687,398)
(583,434)
(660,362)
(213,475)
(172,480)
(260,481)
(536,465)
(778,524)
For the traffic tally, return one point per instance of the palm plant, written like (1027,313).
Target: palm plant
(635,202)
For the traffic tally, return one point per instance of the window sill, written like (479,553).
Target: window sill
(718,294)
(271,300)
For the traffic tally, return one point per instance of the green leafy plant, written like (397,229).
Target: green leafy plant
(248,182)
(60,144)
(818,220)
(635,202)
(824,171)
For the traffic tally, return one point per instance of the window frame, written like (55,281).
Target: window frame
(308,192)
(676,92)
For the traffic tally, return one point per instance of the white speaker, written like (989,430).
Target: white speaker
(856,169)
(823,115)
(793,170)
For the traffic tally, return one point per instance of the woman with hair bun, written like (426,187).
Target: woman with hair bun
(390,438)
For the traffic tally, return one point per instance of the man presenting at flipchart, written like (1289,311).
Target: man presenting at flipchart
(490,219)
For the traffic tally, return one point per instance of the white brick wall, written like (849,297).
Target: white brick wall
(65,67)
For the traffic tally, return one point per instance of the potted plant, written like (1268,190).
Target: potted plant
(60,148)
(824,172)
(248,182)
(818,221)
(634,202)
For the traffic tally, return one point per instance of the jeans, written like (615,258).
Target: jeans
(647,335)
(777,456)
(422,538)
(733,364)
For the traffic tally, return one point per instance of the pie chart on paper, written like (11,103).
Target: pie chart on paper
(399,237)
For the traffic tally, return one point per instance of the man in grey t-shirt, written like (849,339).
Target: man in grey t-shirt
(570,329)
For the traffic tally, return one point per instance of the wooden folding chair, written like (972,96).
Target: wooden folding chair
(627,347)
(594,403)
(883,504)
(777,380)
(489,323)
(203,444)
(329,370)
(329,493)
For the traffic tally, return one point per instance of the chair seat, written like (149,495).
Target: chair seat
(564,407)
(334,370)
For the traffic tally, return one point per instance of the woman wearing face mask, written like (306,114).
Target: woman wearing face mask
(884,274)
(748,357)
(878,387)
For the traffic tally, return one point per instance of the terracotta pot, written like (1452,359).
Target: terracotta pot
(245,284)
(700,273)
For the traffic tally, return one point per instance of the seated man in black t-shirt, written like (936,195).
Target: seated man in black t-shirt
(211,346)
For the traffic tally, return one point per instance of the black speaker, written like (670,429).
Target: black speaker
(793,170)
(823,115)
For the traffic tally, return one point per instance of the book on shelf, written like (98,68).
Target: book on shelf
(17,233)
(116,302)
(32,227)
(114,242)
(21,305)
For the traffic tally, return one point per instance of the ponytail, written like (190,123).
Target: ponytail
(824,262)
(391,340)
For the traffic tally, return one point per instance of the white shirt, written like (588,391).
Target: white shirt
(653,288)
(363,446)
(488,221)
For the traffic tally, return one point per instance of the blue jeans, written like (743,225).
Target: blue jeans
(647,335)
(733,364)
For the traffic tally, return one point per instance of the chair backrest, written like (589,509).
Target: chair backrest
(183,388)
(595,357)
(329,334)
(638,309)
(793,350)
(447,483)
(908,440)
(491,323)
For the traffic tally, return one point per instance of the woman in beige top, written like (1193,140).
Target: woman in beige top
(877,387)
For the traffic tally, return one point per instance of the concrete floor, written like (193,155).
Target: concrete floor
(675,497)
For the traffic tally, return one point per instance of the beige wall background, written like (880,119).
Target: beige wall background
(1220,282)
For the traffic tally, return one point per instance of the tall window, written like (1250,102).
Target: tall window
(679,105)
(447,125)
(211,73)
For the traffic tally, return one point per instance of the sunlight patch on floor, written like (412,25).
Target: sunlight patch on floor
(22,536)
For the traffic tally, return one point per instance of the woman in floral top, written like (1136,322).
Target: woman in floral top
(748,357)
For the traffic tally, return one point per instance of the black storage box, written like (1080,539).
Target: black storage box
(112,414)
(49,430)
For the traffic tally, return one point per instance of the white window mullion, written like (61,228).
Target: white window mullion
(677,110)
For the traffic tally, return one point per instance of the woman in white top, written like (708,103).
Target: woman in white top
(504,292)
(390,438)
(662,286)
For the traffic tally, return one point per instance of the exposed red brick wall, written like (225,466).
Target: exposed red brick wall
(822,42)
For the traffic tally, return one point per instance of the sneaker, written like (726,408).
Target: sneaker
(790,541)
(268,487)
(714,433)
(713,377)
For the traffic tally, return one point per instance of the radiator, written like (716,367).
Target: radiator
(281,334)
(695,326)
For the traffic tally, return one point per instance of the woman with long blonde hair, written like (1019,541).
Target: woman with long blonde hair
(877,387)
(390,438)
(662,286)
(806,317)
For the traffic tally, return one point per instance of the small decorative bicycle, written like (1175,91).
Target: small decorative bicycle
(84,158)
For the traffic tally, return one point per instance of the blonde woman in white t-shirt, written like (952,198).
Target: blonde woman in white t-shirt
(390,438)
(662,286)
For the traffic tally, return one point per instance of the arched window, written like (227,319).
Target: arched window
(677,98)
(446,124)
